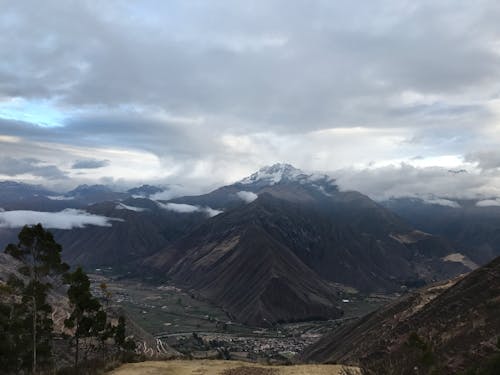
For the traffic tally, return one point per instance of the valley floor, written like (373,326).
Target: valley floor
(207,367)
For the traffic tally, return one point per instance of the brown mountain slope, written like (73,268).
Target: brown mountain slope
(255,279)
(344,237)
(460,321)
(133,235)
(260,260)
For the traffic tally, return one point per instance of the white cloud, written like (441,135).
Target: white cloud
(442,202)
(121,206)
(211,212)
(488,202)
(247,196)
(188,208)
(179,207)
(66,219)
(60,198)
(173,191)
(405,180)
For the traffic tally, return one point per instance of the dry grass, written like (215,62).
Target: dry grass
(207,367)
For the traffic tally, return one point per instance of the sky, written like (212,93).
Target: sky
(390,97)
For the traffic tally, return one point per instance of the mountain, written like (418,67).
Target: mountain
(282,224)
(21,196)
(90,194)
(240,267)
(454,325)
(267,179)
(139,228)
(344,237)
(144,191)
(473,226)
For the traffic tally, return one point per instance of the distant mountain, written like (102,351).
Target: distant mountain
(453,325)
(473,226)
(90,194)
(140,228)
(144,191)
(344,236)
(336,236)
(267,179)
(21,196)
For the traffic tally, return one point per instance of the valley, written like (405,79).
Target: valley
(198,329)
(279,268)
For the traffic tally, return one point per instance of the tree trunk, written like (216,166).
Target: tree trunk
(34,280)
(76,354)
(34,334)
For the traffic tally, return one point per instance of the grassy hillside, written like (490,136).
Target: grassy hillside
(221,368)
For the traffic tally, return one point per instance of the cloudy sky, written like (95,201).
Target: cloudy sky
(391,97)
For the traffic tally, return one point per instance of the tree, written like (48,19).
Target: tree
(87,318)
(121,340)
(40,255)
(14,336)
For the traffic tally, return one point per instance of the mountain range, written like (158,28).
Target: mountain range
(272,247)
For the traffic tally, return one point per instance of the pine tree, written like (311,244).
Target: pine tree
(40,255)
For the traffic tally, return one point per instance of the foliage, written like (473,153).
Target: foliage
(87,320)
(29,322)
(26,326)
(121,341)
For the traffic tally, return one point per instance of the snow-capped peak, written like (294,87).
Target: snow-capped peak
(281,172)
(274,174)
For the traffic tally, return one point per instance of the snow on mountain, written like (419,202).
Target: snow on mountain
(274,174)
(282,172)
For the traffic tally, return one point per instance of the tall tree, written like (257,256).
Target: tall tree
(41,261)
(88,319)
(121,340)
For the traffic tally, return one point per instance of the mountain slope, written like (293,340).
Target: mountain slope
(475,229)
(260,260)
(256,279)
(231,260)
(267,260)
(459,320)
(141,228)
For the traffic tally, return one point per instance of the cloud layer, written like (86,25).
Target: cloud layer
(188,208)
(89,164)
(65,219)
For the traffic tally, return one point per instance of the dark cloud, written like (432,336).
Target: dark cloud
(275,64)
(13,167)
(90,164)
(485,160)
